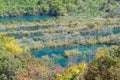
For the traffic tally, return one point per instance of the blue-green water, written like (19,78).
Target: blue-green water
(23,28)
(24,18)
(95,34)
(103,33)
(20,36)
(56,54)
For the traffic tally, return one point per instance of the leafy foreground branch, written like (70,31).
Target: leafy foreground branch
(17,64)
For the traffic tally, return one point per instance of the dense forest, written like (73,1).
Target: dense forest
(103,8)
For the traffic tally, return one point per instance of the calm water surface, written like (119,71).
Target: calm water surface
(57,52)
(25,18)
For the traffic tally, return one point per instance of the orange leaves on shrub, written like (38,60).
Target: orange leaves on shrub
(72,72)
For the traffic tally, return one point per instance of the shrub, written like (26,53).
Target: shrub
(74,72)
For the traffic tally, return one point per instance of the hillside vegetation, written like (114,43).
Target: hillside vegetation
(83,34)
(23,66)
(105,8)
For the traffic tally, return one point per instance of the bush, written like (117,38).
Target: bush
(105,66)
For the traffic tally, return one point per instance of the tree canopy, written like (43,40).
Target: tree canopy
(55,7)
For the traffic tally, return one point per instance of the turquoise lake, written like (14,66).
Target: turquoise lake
(57,54)
(25,18)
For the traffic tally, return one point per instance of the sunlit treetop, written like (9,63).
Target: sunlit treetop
(9,44)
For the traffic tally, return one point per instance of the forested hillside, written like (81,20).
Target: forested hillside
(58,7)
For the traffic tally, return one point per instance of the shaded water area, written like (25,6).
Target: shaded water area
(24,18)
(20,36)
(102,33)
(39,34)
(24,27)
(57,54)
